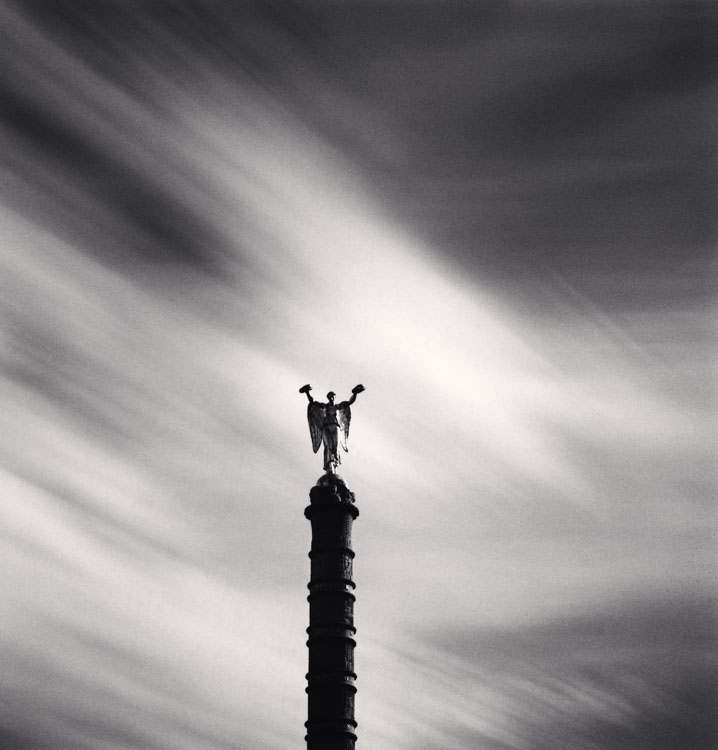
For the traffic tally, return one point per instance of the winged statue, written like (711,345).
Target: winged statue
(329,424)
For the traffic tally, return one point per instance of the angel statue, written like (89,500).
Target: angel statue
(325,422)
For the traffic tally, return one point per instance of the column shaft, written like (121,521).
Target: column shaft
(330,679)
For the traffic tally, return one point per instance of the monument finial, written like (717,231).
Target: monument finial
(329,424)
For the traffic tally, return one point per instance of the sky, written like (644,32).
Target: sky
(500,218)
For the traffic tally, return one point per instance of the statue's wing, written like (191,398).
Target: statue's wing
(344,416)
(315,416)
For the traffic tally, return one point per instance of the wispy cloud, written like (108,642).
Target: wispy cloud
(189,232)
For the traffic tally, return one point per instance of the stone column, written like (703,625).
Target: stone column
(331,690)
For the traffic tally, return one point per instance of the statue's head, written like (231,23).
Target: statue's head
(330,396)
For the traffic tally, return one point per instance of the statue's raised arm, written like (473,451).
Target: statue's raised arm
(325,422)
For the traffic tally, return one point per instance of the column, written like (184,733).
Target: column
(331,677)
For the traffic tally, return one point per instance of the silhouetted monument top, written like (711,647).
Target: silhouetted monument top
(329,424)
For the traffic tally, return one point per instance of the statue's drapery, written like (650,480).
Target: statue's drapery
(329,424)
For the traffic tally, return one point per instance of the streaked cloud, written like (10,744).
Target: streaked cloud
(202,210)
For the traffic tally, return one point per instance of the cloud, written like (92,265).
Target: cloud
(632,675)
(183,246)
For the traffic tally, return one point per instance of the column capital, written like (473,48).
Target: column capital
(331,490)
